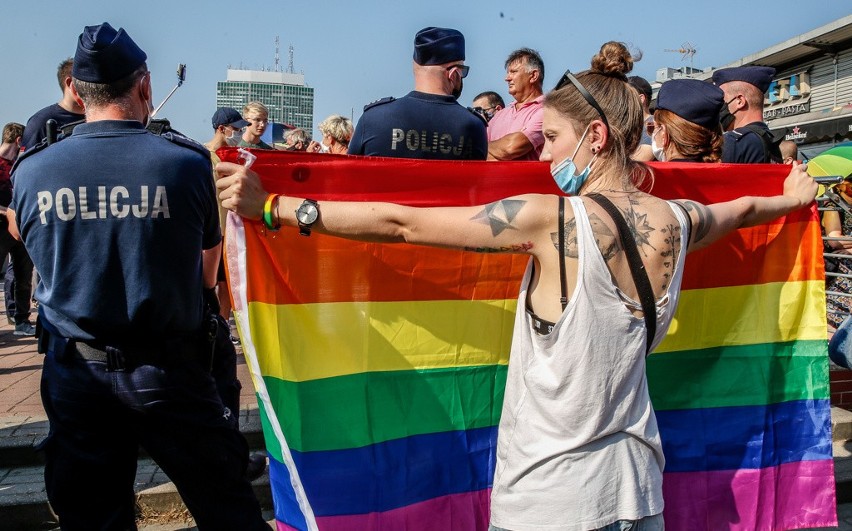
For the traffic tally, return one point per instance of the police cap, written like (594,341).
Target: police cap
(105,55)
(437,46)
(228,116)
(759,76)
(695,101)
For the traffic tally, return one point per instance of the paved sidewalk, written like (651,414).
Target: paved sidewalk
(23,422)
(20,373)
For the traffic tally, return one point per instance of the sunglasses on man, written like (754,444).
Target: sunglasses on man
(463,69)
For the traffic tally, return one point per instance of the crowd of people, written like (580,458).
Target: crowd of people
(124,229)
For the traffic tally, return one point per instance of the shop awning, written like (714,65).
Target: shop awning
(814,126)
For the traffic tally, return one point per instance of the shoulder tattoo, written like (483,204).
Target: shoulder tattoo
(639,227)
(499,215)
(604,237)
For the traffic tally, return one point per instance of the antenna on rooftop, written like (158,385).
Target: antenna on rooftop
(290,63)
(277,66)
(686,50)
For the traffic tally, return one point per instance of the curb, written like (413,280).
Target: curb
(18,448)
(30,509)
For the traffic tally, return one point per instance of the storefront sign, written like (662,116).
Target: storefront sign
(834,129)
(787,110)
(787,96)
(796,135)
(788,88)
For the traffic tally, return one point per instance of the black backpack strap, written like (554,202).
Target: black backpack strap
(770,144)
(563,283)
(637,268)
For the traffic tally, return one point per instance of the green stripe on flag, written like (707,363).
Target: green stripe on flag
(744,375)
(362,409)
(273,445)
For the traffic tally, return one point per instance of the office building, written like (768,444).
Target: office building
(289,100)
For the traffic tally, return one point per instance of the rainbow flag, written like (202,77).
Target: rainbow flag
(380,368)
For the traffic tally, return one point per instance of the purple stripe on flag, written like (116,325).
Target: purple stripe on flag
(466,511)
(789,496)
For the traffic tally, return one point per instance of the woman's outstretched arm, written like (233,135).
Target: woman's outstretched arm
(518,224)
(712,222)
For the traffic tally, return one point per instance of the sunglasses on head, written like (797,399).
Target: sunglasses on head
(568,77)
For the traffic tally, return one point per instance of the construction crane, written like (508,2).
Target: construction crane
(686,50)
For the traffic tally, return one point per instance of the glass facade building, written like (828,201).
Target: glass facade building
(289,100)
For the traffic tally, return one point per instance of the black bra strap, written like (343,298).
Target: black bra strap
(562,281)
(637,268)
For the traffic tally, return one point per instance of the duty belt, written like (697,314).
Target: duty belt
(119,359)
(188,347)
(113,357)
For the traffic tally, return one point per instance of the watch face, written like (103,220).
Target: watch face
(307,213)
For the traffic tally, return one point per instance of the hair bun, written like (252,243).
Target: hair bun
(614,60)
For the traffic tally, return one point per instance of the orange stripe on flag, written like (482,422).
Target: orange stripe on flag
(328,269)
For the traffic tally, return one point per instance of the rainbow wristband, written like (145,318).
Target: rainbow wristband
(268,220)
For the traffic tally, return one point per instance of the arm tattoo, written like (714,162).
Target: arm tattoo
(701,226)
(500,214)
(671,234)
(523,247)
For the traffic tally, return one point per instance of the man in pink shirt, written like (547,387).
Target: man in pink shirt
(514,133)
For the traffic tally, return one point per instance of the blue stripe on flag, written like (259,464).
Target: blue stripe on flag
(751,437)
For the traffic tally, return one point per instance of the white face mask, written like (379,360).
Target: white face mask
(234,139)
(324,148)
(148,116)
(655,149)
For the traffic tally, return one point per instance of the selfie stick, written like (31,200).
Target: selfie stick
(181,73)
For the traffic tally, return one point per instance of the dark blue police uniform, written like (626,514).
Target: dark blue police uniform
(752,143)
(420,126)
(745,145)
(36,129)
(116,219)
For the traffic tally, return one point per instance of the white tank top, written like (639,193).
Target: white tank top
(578,445)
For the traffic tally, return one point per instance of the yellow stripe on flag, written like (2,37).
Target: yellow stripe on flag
(748,315)
(336,339)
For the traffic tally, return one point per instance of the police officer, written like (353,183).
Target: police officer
(122,224)
(686,122)
(66,111)
(747,139)
(428,122)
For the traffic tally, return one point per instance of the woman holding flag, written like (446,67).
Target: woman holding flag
(578,444)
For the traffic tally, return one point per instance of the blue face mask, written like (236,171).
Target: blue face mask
(565,173)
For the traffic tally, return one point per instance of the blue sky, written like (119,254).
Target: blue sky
(353,53)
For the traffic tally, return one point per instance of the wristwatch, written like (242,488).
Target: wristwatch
(306,215)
